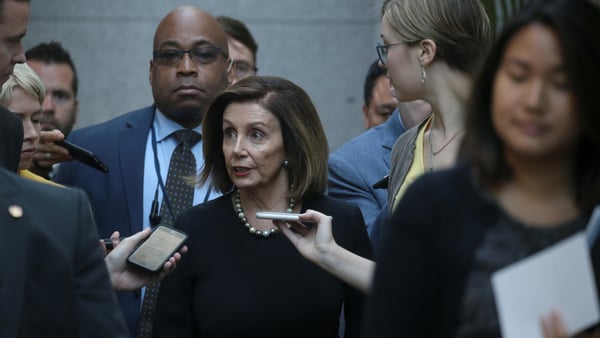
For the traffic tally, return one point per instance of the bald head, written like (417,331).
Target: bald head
(184,87)
(187,20)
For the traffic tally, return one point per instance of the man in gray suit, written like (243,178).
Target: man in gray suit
(53,280)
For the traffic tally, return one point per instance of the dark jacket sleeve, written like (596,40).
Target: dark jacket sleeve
(350,232)
(402,301)
(11,140)
(174,315)
(98,310)
(426,256)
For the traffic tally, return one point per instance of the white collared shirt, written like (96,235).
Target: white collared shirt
(165,145)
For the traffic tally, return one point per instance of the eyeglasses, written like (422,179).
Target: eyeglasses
(199,55)
(242,69)
(382,50)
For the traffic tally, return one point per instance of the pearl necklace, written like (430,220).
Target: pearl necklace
(247,225)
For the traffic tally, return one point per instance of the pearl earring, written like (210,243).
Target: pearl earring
(285,163)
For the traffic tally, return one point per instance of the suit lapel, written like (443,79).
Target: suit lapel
(391,130)
(13,252)
(132,145)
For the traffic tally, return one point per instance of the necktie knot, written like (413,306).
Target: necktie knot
(188,137)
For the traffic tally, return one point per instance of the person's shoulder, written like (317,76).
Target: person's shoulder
(37,178)
(103,128)
(347,219)
(330,205)
(209,208)
(408,137)
(33,188)
(364,141)
(448,184)
(449,176)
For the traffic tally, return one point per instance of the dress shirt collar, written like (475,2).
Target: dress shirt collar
(164,126)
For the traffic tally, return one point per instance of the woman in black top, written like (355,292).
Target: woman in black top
(531,177)
(264,148)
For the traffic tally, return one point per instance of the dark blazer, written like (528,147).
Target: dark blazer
(11,140)
(352,180)
(53,279)
(117,196)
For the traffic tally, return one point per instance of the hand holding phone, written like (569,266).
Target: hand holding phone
(162,243)
(83,155)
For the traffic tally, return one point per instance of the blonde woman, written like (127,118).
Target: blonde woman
(23,94)
(430,49)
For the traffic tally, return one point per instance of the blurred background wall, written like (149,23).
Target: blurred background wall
(325,46)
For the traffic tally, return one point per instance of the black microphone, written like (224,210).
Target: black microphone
(154,216)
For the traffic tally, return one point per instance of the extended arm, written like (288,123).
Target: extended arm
(317,244)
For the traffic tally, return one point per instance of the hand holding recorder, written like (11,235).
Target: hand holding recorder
(316,243)
(310,232)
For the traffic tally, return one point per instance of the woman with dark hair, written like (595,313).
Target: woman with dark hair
(266,150)
(530,178)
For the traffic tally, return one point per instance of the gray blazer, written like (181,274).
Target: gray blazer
(403,155)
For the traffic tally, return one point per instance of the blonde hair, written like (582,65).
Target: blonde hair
(460,28)
(25,78)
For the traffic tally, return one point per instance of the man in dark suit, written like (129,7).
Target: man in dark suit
(53,280)
(53,277)
(11,53)
(188,69)
(11,129)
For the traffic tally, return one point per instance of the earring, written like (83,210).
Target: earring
(285,163)
(423,74)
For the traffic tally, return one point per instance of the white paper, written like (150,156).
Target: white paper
(559,277)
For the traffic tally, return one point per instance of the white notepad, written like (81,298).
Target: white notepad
(559,277)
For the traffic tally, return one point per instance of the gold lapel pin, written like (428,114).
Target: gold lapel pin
(15,211)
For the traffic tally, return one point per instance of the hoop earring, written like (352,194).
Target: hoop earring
(423,74)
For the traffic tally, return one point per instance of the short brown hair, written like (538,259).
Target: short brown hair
(304,140)
(238,31)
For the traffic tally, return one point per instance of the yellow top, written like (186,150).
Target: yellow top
(417,167)
(31,176)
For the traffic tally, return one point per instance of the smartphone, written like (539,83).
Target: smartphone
(83,155)
(153,252)
(282,216)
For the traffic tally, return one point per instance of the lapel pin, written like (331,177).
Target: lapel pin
(15,211)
